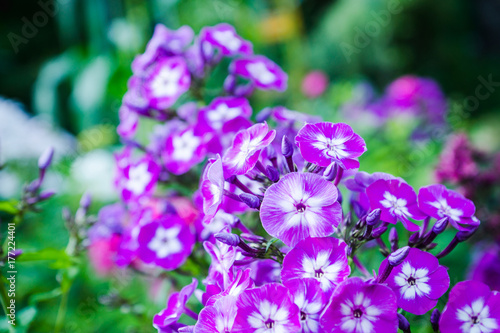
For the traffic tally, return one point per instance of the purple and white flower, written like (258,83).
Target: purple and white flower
(267,309)
(164,43)
(166,319)
(360,307)
(261,71)
(323,259)
(165,242)
(311,300)
(223,110)
(212,188)
(437,201)
(217,318)
(244,153)
(137,179)
(300,205)
(167,80)
(419,281)
(397,200)
(471,308)
(223,36)
(183,150)
(324,143)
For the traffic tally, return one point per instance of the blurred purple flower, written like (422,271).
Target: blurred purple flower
(261,71)
(183,150)
(224,37)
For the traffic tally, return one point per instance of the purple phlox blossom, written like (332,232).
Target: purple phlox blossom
(323,259)
(135,98)
(418,96)
(267,309)
(471,308)
(212,188)
(166,242)
(166,319)
(282,114)
(311,300)
(456,163)
(397,200)
(324,143)
(244,153)
(164,43)
(166,81)
(300,205)
(111,219)
(217,318)
(222,110)
(127,252)
(129,122)
(265,271)
(418,282)
(241,282)
(262,72)
(359,307)
(486,266)
(158,137)
(358,184)
(136,179)
(183,150)
(437,201)
(224,37)
(220,221)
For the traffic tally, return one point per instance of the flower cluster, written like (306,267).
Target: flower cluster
(280,210)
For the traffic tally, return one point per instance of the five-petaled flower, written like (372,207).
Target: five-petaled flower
(300,205)
(419,281)
(325,143)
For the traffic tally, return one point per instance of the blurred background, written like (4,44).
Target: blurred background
(64,67)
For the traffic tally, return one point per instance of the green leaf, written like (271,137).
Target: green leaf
(9,207)
(40,297)
(271,242)
(59,257)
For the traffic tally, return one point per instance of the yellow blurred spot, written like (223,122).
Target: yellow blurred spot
(280,26)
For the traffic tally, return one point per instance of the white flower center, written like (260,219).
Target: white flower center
(228,39)
(412,282)
(139,178)
(445,210)
(358,315)
(165,242)
(476,318)
(397,206)
(269,318)
(260,72)
(321,269)
(166,82)
(221,114)
(185,146)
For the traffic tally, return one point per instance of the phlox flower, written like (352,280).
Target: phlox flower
(471,308)
(267,309)
(397,200)
(223,37)
(437,201)
(418,282)
(300,205)
(261,71)
(323,259)
(183,150)
(136,179)
(361,307)
(325,143)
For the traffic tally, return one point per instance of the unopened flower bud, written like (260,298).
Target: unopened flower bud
(46,158)
(414,239)
(404,324)
(271,152)
(250,200)
(462,236)
(330,172)
(379,232)
(45,195)
(435,316)
(272,173)
(440,225)
(86,200)
(399,256)
(252,238)
(373,217)
(286,147)
(228,238)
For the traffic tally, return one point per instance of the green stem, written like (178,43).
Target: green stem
(5,302)
(61,313)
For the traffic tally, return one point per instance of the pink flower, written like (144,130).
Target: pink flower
(314,84)
(325,143)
